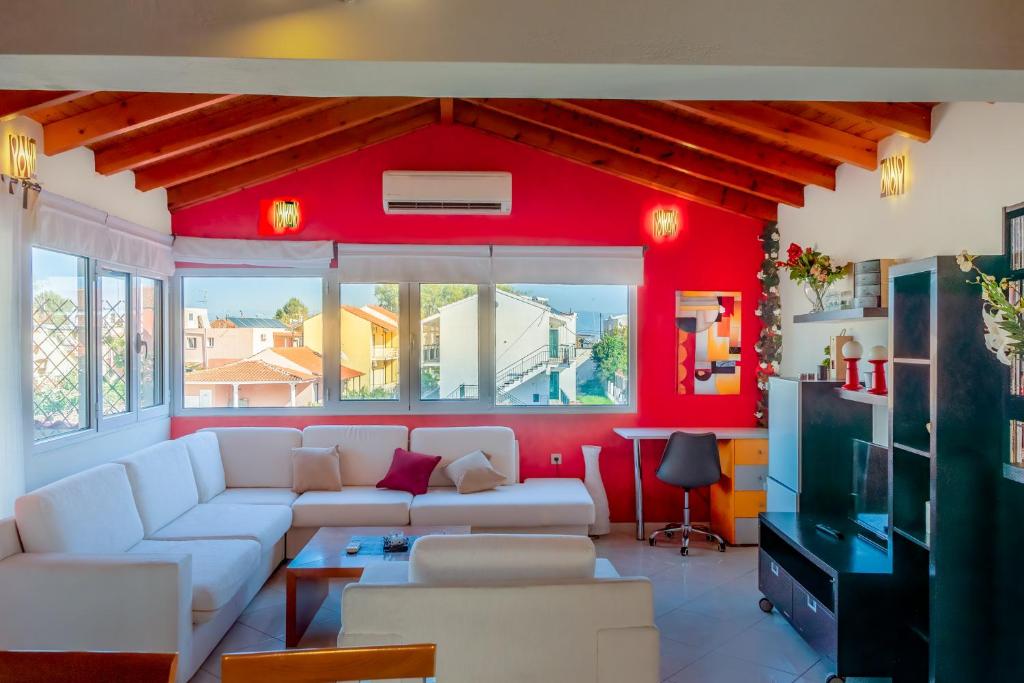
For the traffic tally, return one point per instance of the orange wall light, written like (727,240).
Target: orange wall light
(665,223)
(281,216)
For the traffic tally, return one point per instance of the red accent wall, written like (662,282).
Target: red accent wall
(555,202)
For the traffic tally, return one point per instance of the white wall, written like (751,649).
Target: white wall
(959,183)
(72,175)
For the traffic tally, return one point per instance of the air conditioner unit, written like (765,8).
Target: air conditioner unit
(447,192)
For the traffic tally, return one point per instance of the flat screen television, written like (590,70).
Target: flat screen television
(870,491)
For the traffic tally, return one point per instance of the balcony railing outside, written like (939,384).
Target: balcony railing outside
(379,353)
(432,353)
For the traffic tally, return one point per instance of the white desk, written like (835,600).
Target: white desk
(638,434)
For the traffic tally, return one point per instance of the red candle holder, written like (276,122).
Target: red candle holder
(880,388)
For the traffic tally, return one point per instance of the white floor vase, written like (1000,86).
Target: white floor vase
(595,485)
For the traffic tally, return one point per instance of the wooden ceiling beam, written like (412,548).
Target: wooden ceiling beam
(217,127)
(906,118)
(760,119)
(615,163)
(25,102)
(650,148)
(351,112)
(302,156)
(652,120)
(121,117)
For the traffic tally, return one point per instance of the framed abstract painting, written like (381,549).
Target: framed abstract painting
(708,343)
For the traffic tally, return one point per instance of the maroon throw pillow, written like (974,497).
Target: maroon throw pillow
(409,472)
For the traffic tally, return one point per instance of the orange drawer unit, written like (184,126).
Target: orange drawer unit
(737,499)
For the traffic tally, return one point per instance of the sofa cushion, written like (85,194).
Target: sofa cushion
(366,450)
(352,506)
(263,523)
(163,483)
(219,568)
(451,443)
(204,452)
(536,503)
(89,512)
(473,473)
(409,471)
(481,559)
(315,469)
(255,496)
(257,456)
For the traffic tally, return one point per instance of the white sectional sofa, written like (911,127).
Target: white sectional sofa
(162,550)
(509,608)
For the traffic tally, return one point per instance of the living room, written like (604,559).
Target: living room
(384,358)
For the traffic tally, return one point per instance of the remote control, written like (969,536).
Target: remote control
(830,530)
(352,548)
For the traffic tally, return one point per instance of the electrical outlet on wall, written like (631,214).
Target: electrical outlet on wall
(556,458)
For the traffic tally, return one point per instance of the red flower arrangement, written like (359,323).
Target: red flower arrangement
(814,269)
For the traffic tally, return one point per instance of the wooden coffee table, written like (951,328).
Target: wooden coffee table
(309,575)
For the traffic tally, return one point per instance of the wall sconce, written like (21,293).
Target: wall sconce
(22,154)
(894,175)
(281,216)
(666,223)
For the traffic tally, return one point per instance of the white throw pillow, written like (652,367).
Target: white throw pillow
(473,473)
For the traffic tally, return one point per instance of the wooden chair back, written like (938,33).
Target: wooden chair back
(317,666)
(88,667)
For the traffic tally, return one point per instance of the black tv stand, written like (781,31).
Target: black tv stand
(835,591)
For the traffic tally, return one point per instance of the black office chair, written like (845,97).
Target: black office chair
(689,461)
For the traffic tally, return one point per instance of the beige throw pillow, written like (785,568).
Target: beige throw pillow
(316,469)
(473,472)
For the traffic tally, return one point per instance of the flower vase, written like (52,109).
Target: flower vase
(815,293)
(595,486)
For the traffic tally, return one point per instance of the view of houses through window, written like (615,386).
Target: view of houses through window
(60,332)
(561,345)
(252,342)
(258,342)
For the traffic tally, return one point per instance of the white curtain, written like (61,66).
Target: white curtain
(13,440)
(74,228)
(569,265)
(414,263)
(267,253)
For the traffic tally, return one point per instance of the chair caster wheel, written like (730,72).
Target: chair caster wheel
(766,605)
(652,542)
(684,551)
(721,547)
(833,678)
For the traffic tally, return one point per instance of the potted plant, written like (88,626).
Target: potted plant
(814,270)
(1002,310)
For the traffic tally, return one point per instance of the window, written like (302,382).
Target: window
(316,343)
(60,333)
(97,344)
(264,342)
(150,342)
(449,342)
(370,352)
(114,288)
(568,343)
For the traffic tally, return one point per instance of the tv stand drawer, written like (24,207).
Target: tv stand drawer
(815,623)
(776,584)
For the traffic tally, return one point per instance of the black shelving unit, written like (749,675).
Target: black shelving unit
(944,465)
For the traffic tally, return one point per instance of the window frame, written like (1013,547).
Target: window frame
(409,401)
(96,423)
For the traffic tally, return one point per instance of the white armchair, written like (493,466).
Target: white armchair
(509,609)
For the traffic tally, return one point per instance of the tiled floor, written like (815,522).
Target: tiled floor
(705,605)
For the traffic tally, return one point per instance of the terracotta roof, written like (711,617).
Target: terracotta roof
(249,371)
(388,322)
(300,355)
(349,373)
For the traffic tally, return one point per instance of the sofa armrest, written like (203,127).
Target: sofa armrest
(127,602)
(628,654)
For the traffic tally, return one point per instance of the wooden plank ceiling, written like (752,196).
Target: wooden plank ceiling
(744,157)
